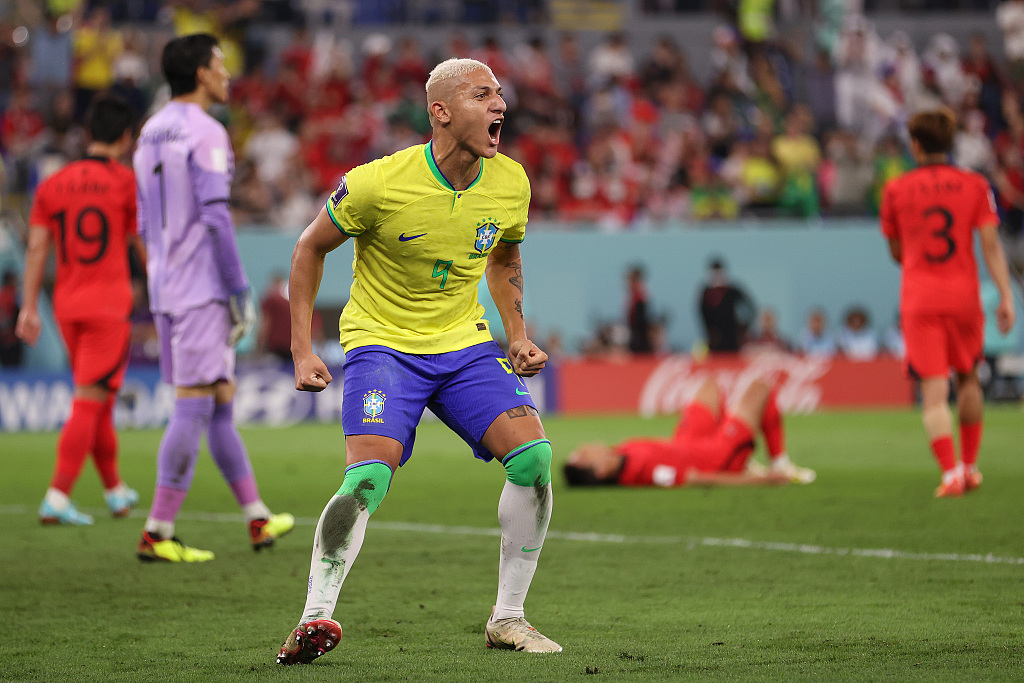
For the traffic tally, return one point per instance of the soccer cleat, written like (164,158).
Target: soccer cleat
(70,515)
(517,634)
(263,532)
(154,549)
(121,502)
(797,475)
(756,469)
(972,480)
(309,641)
(954,488)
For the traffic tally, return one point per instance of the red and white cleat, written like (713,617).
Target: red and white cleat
(309,641)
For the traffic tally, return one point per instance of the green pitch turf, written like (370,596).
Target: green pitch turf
(861,576)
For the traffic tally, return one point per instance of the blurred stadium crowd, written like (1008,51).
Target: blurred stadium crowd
(608,133)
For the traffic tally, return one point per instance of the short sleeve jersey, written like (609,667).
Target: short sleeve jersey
(934,211)
(653,463)
(88,207)
(421,249)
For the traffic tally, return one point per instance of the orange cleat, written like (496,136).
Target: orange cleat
(972,480)
(951,489)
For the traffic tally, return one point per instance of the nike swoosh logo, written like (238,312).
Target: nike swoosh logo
(404,238)
(522,393)
(530,550)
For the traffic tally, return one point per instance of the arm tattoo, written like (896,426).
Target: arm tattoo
(517,278)
(518,303)
(521,411)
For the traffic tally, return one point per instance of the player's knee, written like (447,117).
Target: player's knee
(529,464)
(367,482)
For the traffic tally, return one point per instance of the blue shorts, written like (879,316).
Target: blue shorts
(386,391)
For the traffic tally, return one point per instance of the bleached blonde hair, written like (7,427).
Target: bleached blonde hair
(452,68)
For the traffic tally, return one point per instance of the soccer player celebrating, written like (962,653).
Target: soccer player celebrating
(710,447)
(929,216)
(87,209)
(428,222)
(198,292)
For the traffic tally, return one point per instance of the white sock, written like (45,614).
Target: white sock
(118,490)
(524,513)
(57,499)
(950,475)
(257,510)
(160,528)
(781,460)
(339,536)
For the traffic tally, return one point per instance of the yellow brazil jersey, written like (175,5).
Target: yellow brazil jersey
(421,249)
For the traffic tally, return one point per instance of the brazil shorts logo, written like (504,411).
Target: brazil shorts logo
(373,406)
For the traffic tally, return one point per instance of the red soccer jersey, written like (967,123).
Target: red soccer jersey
(89,209)
(933,211)
(653,463)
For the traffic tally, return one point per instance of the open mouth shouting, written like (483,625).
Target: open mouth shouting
(494,130)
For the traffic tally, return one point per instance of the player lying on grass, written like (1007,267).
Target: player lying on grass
(711,446)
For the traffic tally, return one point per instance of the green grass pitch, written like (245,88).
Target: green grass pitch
(861,576)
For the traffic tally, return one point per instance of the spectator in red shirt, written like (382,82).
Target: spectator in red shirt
(298,54)
(11,347)
(20,128)
(275,332)
(409,64)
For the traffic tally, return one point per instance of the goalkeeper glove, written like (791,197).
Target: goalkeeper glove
(243,316)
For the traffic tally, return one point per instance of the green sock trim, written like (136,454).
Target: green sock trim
(529,464)
(368,482)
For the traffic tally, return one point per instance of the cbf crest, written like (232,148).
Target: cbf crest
(373,406)
(486,233)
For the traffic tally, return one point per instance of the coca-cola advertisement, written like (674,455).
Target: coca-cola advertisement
(659,386)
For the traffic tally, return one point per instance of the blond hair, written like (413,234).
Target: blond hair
(452,68)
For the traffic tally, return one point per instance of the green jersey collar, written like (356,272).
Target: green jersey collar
(428,150)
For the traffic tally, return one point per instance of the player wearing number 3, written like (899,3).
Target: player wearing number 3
(198,292)
(929,216)
(428,223)
(88,210)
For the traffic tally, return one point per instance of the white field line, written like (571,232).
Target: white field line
(690,542)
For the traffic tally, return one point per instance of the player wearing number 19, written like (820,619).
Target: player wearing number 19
(198,292)
(929,216)
(87,209)
(428,223)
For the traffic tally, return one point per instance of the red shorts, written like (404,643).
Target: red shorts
(714,444)
(726,449)
(697,421)
(98,350)
(938,342)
